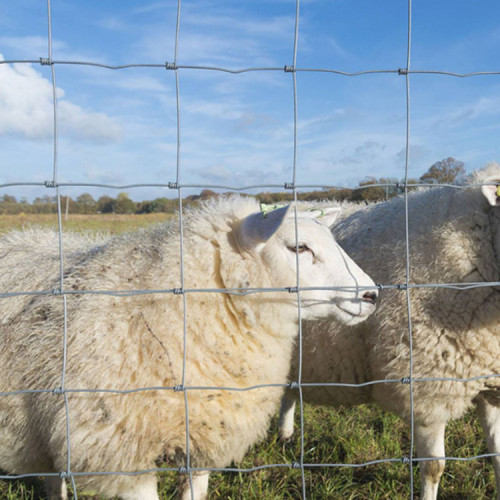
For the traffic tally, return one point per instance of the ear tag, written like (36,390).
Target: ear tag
(321,212)
(265,208)
(498,191)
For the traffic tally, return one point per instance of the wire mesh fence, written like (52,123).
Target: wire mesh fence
(178,186)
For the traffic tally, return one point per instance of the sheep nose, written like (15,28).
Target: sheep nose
(370,297)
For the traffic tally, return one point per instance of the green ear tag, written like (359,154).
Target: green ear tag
(265,208)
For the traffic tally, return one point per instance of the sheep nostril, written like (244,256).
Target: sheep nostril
(370,297)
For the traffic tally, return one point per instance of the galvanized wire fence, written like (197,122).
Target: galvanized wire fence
(177,185)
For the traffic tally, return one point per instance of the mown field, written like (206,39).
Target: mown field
(331,436)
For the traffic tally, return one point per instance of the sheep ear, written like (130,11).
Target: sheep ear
(259,227)
(330,215)
(327,216)
(492,194)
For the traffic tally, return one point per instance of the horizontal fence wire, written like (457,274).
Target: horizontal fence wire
(292,465)
(401,186)
(250,291)
(285,68)
(293,385)
(404,187)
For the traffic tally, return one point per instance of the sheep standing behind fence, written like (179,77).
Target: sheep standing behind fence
(136,341)
(454,238)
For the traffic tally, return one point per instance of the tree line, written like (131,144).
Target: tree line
(369,189)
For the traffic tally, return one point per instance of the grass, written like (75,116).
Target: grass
(114,223)
(346,436)
(331,436)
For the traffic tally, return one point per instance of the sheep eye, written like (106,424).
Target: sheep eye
(299,249)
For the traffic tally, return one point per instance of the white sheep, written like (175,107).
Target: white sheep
(132,341)
(454,238)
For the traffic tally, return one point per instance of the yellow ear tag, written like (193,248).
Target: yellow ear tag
(498,191)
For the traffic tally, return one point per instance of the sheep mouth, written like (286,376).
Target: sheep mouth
(345,310)
(359,308)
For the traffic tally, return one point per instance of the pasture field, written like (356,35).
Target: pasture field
(331,436)
(113,223)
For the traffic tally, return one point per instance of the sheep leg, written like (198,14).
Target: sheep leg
(55,487)
(142,488)
(489,415)
(429,440)
(199,481)
(286,417)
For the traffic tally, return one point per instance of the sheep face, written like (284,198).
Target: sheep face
(492,194)
(283,242)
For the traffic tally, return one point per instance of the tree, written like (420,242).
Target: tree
(85,204)
(7,198)
(9,205)
(164,205)
(106,204)
(207,193)
(375,193)
(124,205)
(443,172)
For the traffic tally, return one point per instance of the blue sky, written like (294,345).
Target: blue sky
(119,126)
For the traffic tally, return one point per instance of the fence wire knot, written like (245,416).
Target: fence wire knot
(64,474)
(45,61)
(400,185)
(405,460)
(403,71)
(58,391)
(294,385)
(182,470)
(173,185)
(296,465)
(50,184)
(178,388)
(169,65)
(292,289)
(289,69)
(56,291)
(178,291)
(289,185)
(405,380)
(403,286)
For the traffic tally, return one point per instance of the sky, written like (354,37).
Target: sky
(119,127)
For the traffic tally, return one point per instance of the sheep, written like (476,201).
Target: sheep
(124,341)
(454,238)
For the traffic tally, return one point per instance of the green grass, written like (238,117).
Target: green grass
(348,436)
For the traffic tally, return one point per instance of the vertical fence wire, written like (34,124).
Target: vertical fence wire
(297,260)
(187,468)
(407,240)
(177,185)
(58,392)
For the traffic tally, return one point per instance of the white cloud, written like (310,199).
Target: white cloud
(97,174)
(238,174)
(26,109)
(87,125)
(224,37)
(33,47)
(29,47)
(457,116)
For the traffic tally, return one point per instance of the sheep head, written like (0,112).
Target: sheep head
(492,193)
(285,239)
